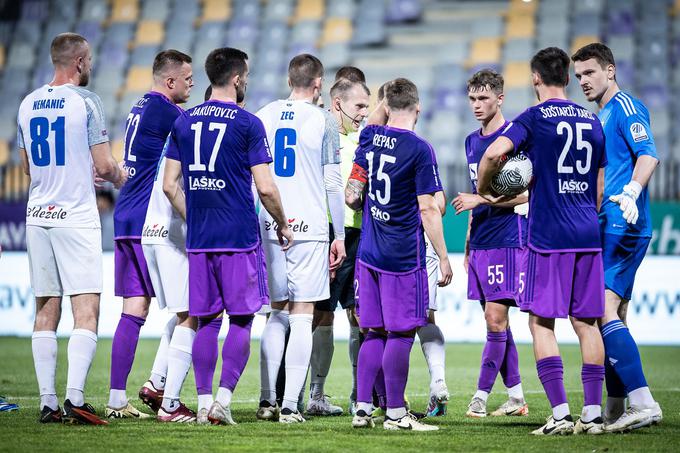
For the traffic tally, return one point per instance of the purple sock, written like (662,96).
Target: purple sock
(369,364)
(123,349)
(204,354)
(379,388)
(395,366)
(551,374)
(492,359)
(592,377)
(510,367)
(236,350)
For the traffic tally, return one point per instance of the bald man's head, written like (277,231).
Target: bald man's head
(70,51)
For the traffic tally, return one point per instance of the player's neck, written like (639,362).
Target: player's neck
(551,92)
(162,90)
(62,77)
(493,124)
(404,120)
(608,95)
(302,94)
(224,94)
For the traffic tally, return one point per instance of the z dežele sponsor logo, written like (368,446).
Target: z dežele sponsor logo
(296,225)
(50,212)
(155,231)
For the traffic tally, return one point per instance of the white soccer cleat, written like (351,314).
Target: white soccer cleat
(202,417)
(220,415)
(181,414)
(129,411)
(554,427)
(439,401)
(407,423)
(362,420)
(476,408)
(268,412)
(322,406)
(593,427)
(291,417)
(635,418)
(513,407)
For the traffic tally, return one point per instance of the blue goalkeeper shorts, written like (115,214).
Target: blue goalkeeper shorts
(621,256)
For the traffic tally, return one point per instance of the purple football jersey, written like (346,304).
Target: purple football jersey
(565,143)
(147,129)
(400,167)
(217,144)
(491,227)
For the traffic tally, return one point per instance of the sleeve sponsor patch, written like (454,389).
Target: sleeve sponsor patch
(638,132)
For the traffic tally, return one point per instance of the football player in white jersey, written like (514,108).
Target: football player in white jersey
(61,137)
(306,151)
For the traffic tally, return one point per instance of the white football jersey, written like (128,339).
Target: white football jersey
(57,126)
(163,225)
(303,138)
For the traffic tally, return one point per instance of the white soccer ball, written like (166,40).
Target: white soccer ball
(514,176)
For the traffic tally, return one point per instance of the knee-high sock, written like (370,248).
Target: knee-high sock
(432,343)
(297,358)
(204,354)
(159,370)
(369,364)
(492,359)
(44,345)
(271,353)
(510,367)
(551,373)
(179,362)
(379,389)
(355,339)
(395,366)
(322,356)
(123,350)
(236,350)
(592,377)
(81,349)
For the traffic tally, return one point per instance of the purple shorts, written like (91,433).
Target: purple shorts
(395,302)
(495,275)
(564,284)
(131,274)
(232,281)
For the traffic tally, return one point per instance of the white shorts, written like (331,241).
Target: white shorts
(432,264)
(169,271)
(64,261)
(300,274)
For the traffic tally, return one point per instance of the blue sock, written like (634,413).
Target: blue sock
(623,356)
(615,387)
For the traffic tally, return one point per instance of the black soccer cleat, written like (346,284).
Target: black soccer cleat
(81,415)
(47,415)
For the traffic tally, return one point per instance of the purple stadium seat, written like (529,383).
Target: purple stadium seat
(242,31)
(449,99)
(92,31)
(625,72)
(654,96)
(399,11)
(621,23)
(35,10)
(114,55)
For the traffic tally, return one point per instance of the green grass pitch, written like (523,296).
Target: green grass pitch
(20,431)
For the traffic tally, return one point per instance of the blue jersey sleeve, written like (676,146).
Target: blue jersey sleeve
(635,129)
(518,130)
(427,171)
(258,147)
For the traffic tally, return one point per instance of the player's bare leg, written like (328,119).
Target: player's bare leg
(123,347)
(433,344)
(592,375)
(272,345)
(44,345)
(320,364)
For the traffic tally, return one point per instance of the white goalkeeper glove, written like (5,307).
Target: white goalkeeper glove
(626,201)
(522,209)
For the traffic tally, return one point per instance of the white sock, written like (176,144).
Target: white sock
(117,399)
(224,396)
(179,362)
(614,407)
(516,392)
(159,370)
(81,349)
(322,355)
(297,358)
(271,352)
(481,394)
(204,401)
(366,407)
(354,346)
(395,413)
(560,411)
(44,345)
(432,343)
(641,397)
(590,413)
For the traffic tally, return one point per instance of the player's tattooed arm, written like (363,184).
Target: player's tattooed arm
(172,187)
(379,115)
(356,184)
(491,162)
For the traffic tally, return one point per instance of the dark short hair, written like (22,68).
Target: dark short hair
(224,63)
(208,93)
(64,47)
(596,50)
(167,58)
(552,65)
(486,79)
(343,86)
(381,92)
(401,94)
(303,69)
(351,73)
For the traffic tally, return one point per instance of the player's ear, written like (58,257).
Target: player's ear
(535,79)
(611,72)
(501,97)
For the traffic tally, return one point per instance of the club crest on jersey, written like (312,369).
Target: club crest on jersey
(571,186)
(294,225)
(638,132)
(205,183)
(155,231)
(50,212)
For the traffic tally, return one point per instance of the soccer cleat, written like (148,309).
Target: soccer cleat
(513,407)
(593,427)
(635,418)
(554,427)
(322,407)
(48,415)
(202,417)
(378,413)
(362,420)
(438,403)
(352,409)
(180,415)
(151,396)
(6,406)
(408,423)
(80,415)
(290,417)
(128,411)
(476,408)
(220,415)
(268,412)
